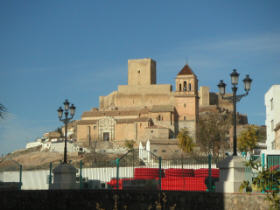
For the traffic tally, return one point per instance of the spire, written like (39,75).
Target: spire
(186,70)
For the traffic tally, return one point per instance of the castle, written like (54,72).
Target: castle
(143,109)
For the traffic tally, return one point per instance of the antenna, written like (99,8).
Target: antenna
(186,60)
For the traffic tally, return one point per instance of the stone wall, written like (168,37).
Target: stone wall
(111,199)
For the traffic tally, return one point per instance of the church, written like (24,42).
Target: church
(143,110)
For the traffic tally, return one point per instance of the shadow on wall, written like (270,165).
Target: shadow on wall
(110,199)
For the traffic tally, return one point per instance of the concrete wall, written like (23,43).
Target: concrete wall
(277,139)
(38,179)
(272,104)
(59,147)
(133,199)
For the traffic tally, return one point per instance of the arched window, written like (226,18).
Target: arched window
(185,86)
(184,117)
(180,87)
(190,86)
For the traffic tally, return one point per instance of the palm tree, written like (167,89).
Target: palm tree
(185,142)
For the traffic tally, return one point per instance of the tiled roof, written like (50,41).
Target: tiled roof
(113,113)
(133,120)
(86,122)
(156,127)
(186,70)
(163,141)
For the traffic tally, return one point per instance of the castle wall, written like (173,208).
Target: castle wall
(122,101)
(164,119)
(203,93)
(157,133)
(125,131)
(145,89)
(141,72)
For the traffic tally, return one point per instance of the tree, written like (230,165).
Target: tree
(2,110)
(185,141)
(59,130)
(267,180)
(129,144)
(212,132)
(247,140)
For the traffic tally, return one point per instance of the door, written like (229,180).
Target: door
(106,136)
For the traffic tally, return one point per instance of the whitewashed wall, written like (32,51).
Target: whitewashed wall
(272,113)
(38,179)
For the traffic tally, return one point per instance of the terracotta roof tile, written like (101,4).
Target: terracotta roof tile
(163,141)
(133,120)
(186,70)
(162,108)
(156,127)
(86,122)
(109,113)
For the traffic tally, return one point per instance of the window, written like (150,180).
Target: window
(271,104)
(158,118)
(185,86)
(152,131)
(163,150)
(180,87)
(190,87)
(155,150)
(138,71)
(185,105)
(185,118)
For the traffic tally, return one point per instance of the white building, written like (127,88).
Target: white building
(272,104)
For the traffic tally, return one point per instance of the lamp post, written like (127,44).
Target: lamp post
(235,98)
(66,120)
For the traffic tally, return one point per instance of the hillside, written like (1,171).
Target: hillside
(33,158)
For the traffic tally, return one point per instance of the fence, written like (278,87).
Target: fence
(138,169)
(11,181)
(132,171)
(264,173)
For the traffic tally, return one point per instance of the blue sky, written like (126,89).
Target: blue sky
(52,50)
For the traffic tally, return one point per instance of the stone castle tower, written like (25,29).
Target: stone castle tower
(143,109)
(142,72)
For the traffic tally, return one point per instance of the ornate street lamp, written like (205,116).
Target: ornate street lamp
(235,98)
(66,120)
